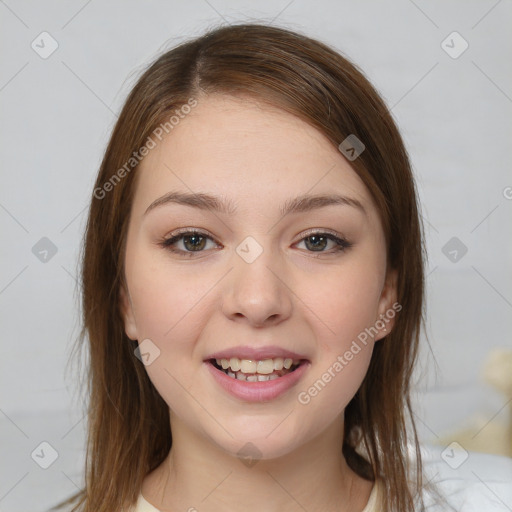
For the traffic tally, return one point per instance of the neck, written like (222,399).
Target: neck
(198,475)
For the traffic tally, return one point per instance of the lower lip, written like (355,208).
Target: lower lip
(257,391)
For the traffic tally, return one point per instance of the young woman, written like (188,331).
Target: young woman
(253,287)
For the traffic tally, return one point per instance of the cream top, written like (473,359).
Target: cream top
(143,505)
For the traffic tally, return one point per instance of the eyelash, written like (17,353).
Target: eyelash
(167,243)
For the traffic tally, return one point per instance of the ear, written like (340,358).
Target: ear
(126,306)
(388,306)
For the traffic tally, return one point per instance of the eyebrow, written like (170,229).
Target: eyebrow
(300,204)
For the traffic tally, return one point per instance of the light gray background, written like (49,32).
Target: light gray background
(57,114)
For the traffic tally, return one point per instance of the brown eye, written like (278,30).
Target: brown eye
(318,242)
(191,241)
(194,242)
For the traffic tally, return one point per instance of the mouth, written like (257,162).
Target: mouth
(257,374)
(251,370)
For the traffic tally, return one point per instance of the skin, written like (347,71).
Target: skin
(315,303)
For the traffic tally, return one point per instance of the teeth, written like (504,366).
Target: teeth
(248,366)
(263,367)
(278,363)
(257,371)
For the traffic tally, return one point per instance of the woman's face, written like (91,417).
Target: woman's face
(260,283)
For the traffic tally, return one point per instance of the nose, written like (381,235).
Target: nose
(256,291)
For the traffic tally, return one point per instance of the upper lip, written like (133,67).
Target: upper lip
(255,354)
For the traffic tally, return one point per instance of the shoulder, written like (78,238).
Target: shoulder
(468,481)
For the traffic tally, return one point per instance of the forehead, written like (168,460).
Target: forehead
(251,153)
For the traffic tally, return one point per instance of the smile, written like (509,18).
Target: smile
(257,380)
(250,370)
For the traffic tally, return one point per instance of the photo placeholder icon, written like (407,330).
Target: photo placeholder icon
(454,249)
(147,352)
(454,455)
(249,249)
(44,455)
(44,250)
(351,147)
(249,454)
(454,45)
(44,45)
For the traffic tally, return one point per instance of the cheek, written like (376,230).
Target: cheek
(345,311)
(169,305)
(345,305)
(167,300)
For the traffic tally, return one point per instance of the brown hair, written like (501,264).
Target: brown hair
(128,423)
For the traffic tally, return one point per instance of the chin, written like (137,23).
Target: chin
(250,450)
(255,438)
